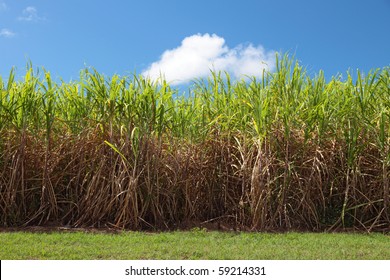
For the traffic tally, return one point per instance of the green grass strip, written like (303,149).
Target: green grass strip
(194,245)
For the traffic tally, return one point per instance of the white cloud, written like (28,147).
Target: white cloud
(198,54)
(30,14)
(6,33)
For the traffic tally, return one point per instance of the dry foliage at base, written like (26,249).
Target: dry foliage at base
(286,152)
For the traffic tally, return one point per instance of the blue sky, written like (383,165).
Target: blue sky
(183,38)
